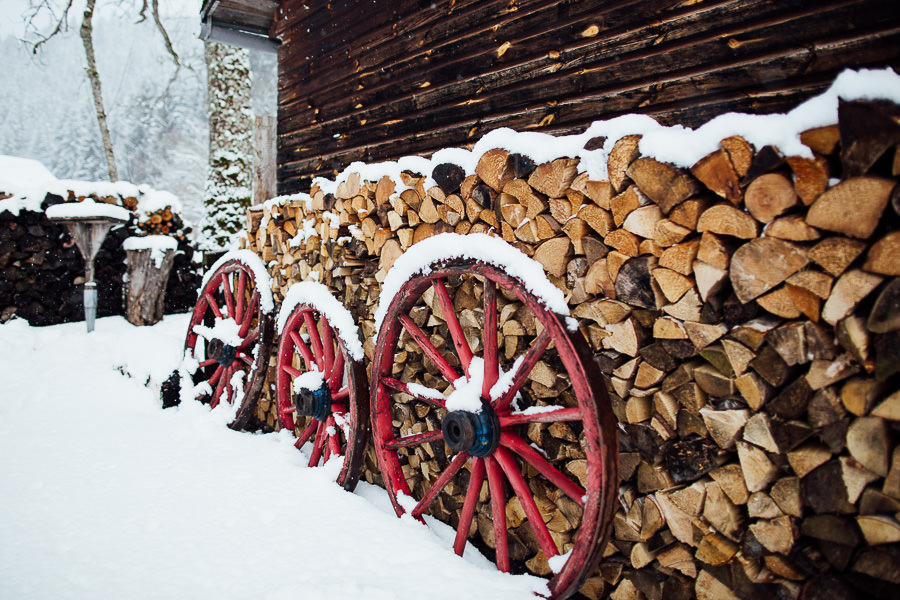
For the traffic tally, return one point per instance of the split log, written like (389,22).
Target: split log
(623,153)
(665,185)
(761,264)
(553,178)
(867,195)
(727,220)
(717,173)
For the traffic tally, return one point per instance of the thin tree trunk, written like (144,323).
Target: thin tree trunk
(87,31)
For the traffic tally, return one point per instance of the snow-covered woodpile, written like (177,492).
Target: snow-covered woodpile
(745,310)
(42,271)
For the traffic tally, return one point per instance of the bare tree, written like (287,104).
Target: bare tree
(60,19)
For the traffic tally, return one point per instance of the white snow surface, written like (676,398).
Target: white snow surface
(477,246)
(256,266)
(29,182)
(106,495)
(87,209)
(680,146)
(317,296)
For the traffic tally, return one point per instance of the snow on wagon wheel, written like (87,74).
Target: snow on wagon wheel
(321,382)
(489,414)
(230,336)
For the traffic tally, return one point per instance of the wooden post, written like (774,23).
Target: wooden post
(148,272)
(264,138)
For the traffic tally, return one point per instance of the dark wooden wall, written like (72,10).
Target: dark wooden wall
(375,79)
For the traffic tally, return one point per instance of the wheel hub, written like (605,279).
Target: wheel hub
(221,352)
(475,433)
(314,403)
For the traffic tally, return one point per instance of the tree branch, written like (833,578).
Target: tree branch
(142,13)
(162,30)
(61,24)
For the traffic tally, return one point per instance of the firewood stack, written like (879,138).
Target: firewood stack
(746,312)
(41,270)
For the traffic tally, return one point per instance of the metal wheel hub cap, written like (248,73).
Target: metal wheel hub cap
(475,433)
(314,403)
(221,352)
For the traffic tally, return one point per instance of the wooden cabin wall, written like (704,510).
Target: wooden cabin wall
(374,80)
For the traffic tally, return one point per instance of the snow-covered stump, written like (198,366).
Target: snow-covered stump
(149,259)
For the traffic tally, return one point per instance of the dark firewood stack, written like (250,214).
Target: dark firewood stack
(42,271)
(745,311)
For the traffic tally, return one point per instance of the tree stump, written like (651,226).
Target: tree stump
(149,262)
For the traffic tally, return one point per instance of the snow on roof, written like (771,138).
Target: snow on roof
(680,146)
(86,210)
(29,182)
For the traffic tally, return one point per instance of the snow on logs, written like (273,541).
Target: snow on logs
(744,311)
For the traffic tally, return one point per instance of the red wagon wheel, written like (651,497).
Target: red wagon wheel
(230,336)
(517,447)
(321,382)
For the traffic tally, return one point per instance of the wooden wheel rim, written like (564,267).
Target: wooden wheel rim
(231,292)
(346,380)
(596,417)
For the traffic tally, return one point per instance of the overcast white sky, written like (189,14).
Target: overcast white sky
(11,11)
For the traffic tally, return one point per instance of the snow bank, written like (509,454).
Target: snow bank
(106,495)
(681,146)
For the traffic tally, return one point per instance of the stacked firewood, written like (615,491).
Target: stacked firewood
(746,313)
(42,271)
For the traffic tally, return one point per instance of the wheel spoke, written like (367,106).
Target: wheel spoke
(336,378)
(416,439)
(223,379)
(229,297)
(211,302)
(251,338)
(327,345)
(468,509)
(304,350)
(342,394)
(491,358)
(214,378)
(543,466)
(456,333)
(246,358)
(550,416)
(241,288)
(520,487)
(318,444)
(399,386)
(291,371)
(245,324)
(307,433)
(531,358)
(436,357)
(498,512)
(440,483)
(207,363)
(334,442)
(314,339)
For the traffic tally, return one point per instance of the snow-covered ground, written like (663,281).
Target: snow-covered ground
(105,495)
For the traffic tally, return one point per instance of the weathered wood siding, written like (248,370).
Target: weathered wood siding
(375,79)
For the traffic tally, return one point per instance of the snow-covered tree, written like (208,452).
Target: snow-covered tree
(228,184)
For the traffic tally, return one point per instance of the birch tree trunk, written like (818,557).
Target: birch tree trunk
(87,33)
(228,184)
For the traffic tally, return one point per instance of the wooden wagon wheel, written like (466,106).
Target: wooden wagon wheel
(321,386)
(229,338)
(468,390)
